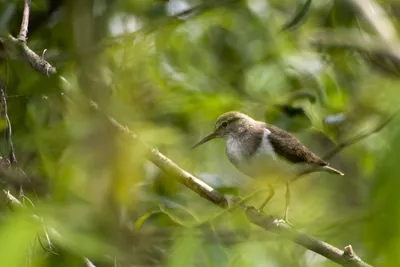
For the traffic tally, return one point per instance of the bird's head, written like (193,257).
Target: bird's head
(228,124)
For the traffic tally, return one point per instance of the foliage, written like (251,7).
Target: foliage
(327,76)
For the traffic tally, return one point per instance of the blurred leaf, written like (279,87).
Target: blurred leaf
(383,228)
(173,218)
(168,78)
(139,222)
(18,232)
(228,190)
(299,17)
(186,250)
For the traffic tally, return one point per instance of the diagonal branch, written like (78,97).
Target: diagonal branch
(267,222)
(346,143)
(342,145)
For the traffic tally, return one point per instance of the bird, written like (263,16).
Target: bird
(254,147)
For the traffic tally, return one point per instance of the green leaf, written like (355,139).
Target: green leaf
(298,18)
(186,250)
(139,222)
(228,190)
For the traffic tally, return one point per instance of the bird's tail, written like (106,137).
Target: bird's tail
(332,170)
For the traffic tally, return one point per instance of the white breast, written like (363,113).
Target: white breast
(237,150)
(234,150)
(264,163)
(266,148)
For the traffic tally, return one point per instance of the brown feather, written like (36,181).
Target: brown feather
(290,148)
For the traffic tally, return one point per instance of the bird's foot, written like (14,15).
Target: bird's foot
(286,217)
(269,197)
(284,221)
(261,209)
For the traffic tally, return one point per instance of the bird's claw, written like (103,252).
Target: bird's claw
(284,222)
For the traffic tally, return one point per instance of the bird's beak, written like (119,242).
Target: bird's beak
(206,139)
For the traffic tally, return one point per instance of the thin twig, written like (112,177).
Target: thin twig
(342,145)
(346,143)
(8,129)
(88,262)
(23,33)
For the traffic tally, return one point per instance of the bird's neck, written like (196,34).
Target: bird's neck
(244,130)
(244,143)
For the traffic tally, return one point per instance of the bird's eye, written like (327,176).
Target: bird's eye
(224,124)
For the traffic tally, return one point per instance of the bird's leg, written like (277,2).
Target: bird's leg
(270,195)
(287,197)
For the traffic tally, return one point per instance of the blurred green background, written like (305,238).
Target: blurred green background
(325,70)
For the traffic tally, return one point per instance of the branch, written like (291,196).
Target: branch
(344,144)
(267,222)
(8,129)
(23,32)
(37,62)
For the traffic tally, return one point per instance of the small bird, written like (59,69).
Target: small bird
(251,146)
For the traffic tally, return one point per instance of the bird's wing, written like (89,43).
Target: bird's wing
(290,148)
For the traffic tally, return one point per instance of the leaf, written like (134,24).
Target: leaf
(139,222)
(298,18)
(186,250)
(174,218)
(228,190)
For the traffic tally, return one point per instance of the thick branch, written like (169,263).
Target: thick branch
(37,62)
